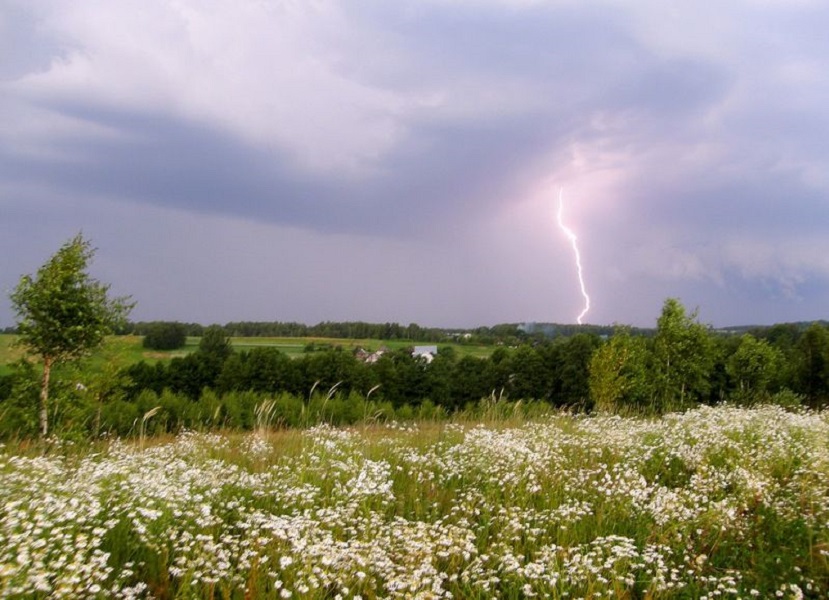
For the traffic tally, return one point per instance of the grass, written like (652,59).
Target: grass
(713,503)
(117,351)
(296,346)
(125,350)
(9,353)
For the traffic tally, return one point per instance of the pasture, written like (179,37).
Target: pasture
(713,503)
(118,351)
(122,350)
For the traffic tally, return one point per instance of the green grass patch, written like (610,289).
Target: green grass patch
(128,349)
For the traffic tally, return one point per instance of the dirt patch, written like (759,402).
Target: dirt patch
(163,355)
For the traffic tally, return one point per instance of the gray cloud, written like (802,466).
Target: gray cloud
(692,144)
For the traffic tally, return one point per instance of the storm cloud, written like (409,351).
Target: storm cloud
(401,161)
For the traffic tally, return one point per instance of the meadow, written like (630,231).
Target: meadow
(123,350)
(717,502)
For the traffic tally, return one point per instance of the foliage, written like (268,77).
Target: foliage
(63,313)
(682,358)
(504,334)
(812,364)
(754,367)
(163,335)
(221,384)
(619,379)
(571,386)
(18,393)
(215,343)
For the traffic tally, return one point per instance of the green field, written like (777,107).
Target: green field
(118,350)
(713,503)
(296,346)
(127,349)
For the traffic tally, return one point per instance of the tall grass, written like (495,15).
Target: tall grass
(716,502)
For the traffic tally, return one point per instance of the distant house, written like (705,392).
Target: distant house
(369,357)
(427,353)
(375,356)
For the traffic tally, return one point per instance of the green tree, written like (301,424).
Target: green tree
(63,313)
(439,376)
(469,382)
(812,364)
(753,367)
(618,373)
(165,336)
(402,377)
(530,377)
(571,379)
(683,357)
(215,342)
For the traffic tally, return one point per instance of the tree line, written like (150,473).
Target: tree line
(326,329)
(64,314)
(683,364)
(503,333)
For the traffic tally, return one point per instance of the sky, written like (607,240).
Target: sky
(319,160)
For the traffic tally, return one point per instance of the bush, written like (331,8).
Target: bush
(788,399)
(429,411)
(119,417)
(240,409)
(165,336)
(288,410)
(18,413)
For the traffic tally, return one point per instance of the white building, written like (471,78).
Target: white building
(427,353)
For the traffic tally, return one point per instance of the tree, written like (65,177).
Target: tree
(530,377)
(63,313)
(571,380)
(439,376)
(469,382)
(260,370)
(754,367)
(165,336)
(683,357)
(812,364)
(618,374)
(216,343)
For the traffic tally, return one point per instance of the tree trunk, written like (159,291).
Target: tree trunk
(44,397)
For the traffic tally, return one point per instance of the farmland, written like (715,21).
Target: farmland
(124,350)
(713,503)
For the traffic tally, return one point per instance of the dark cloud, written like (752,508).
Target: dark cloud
(445,168)
(166,162)
(671,89)
(693,143)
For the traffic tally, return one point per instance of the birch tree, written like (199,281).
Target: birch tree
(683,357)
(63,313)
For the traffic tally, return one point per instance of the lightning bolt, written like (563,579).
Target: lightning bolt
(572,237)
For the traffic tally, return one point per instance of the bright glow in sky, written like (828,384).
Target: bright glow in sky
(392,161)
(573,238)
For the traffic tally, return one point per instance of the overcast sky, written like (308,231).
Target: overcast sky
(376,160)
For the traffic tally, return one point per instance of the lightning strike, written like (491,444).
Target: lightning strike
(572,237)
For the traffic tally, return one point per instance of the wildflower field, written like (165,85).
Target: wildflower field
(713,503)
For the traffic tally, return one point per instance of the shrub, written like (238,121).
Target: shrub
(119,417)
(787,399)
(288,410)
(165,336)
(21,389)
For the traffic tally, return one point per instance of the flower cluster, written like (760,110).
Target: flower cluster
(713,503)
